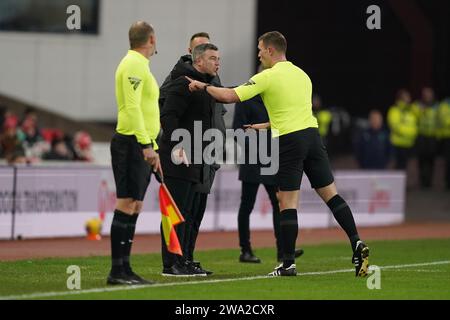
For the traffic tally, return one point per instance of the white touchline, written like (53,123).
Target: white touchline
(124,288)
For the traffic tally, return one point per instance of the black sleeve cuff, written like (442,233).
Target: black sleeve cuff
(146,146)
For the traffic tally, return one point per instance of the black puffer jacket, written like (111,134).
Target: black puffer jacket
(180,110)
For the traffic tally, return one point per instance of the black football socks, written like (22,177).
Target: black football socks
(131,228)
(288,233)
(343,215)
(118,235)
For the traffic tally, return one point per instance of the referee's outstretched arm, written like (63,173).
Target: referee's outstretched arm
(224,95)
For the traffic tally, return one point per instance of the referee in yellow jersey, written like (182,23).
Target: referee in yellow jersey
(133,146)
(286,91)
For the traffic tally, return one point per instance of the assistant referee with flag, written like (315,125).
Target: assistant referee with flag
(133,147)
(286,91)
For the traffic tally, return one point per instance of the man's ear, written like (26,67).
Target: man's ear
(152,39)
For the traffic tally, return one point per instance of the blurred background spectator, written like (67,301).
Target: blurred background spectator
(59,151)
(82,146)
(427,144)
(9,138)
(32,141)
(323,116)
(17,156)
(30,113)
(3,111)
(402,122)
(372,147)
(444,137)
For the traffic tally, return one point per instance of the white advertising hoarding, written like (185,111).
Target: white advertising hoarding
(57,202)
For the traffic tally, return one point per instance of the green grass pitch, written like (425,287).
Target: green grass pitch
(412,269)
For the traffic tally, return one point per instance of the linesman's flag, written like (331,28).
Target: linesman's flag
(170,217)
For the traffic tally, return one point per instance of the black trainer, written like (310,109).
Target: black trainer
(298,253)
(195,270)
(137,280)
(284,272)
(198,265)
(361,259)
(177,270)
(118,279)
(249,257)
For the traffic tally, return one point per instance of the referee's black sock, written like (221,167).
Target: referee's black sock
(343,215)
(118,236)
(288,233)
(131,228)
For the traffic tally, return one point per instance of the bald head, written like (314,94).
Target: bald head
(139,33)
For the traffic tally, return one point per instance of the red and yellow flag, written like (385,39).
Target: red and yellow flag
(170,217)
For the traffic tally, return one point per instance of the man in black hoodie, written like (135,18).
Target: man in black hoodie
(180,110)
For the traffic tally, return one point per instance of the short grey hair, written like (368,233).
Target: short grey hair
(201,49)
(139,33)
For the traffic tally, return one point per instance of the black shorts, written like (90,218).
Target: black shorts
(300,151)
(131,171)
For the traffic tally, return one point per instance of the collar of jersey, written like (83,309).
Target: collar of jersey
(139,56)
(281,63)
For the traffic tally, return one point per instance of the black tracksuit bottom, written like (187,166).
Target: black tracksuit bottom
(182,193)
(198,207)
(248,198)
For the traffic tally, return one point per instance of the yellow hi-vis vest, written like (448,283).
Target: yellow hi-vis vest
(324,120)
(428,125)
(402,121)
(443,119)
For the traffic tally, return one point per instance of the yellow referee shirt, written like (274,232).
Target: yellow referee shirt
(286,91)
(137,95)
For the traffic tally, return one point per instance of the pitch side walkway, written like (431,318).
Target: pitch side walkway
(79,247)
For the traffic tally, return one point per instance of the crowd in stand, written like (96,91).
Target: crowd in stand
(415,129)
(421,129)
(24,141)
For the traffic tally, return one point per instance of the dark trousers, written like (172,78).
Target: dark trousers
(248,198)
(198,207)
(426,154)
(401,157)
(446,154)
(182,193)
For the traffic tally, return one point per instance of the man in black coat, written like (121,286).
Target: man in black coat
(198,203)
(247,113)
(183,168)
